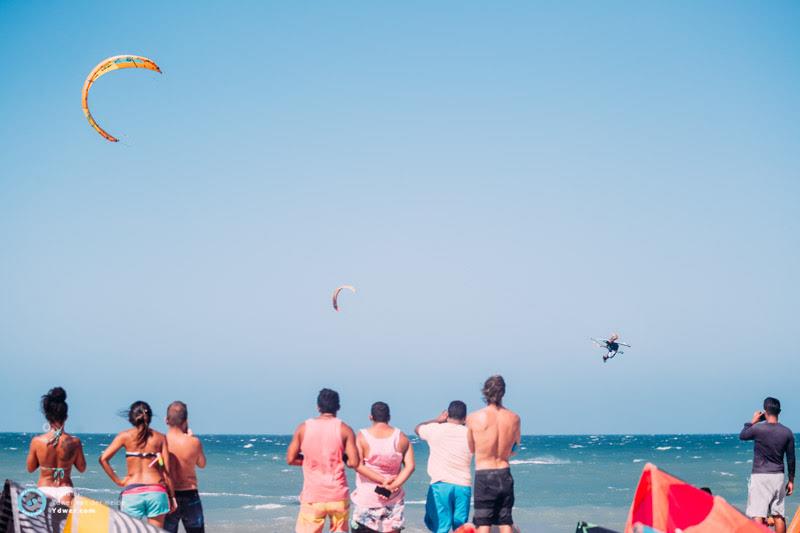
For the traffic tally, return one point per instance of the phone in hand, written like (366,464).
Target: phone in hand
(383,491)
(762,417)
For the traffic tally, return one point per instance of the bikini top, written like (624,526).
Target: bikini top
(58,472)
(156,456)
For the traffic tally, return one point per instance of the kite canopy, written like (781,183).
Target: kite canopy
(665,504)
(24,509)
(107,65)
(336,294)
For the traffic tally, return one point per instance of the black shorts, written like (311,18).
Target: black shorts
(189,511)
(494,497)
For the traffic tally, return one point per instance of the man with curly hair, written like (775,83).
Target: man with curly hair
(493,434)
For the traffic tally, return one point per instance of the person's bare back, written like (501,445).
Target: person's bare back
(492,432)
(185,453)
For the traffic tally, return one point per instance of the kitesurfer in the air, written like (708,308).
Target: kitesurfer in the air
(613,347)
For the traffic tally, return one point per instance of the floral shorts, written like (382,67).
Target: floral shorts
(382,519)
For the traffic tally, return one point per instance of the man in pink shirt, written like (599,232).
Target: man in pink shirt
(322,446)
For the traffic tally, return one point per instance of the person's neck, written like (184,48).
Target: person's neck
(56,426)
(380,425)
(498,405)
(772,419)
(455,421)
(327,415)
(178,430)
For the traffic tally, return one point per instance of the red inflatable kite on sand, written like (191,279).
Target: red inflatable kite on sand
(665,504)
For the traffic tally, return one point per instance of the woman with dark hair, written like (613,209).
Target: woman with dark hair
(55,452)
(147,489)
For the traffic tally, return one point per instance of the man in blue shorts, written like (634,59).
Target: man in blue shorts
(447,505)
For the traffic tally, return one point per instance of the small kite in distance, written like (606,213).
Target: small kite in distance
(336,294)
(107,65)
(612,345)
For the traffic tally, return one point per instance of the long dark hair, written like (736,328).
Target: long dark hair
(140,415)
(54,405)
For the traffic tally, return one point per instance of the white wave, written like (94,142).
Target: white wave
(11,448)
(638,460)
(663,448)
(696,457)
(248,445)
(415,502)
(725,474)
(231,494)
(540,461)
(264,506)
(576,446)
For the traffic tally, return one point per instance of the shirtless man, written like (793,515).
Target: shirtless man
(185,453)
(493,434)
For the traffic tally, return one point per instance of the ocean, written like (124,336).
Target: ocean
(559,480)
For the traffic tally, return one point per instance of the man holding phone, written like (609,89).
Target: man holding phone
(773,441)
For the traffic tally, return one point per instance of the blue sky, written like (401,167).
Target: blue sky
(500,181)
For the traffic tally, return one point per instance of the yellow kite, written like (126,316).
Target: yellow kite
(107,65)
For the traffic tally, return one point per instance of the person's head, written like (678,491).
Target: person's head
(772,406)
(614,337)
(379,412)
(54,406)
(177,414)
(328,402)
(140,415)
(493,390)
(457,410)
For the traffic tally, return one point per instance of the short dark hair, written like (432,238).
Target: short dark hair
(772,406)
(177,413)
(328,401)
(457,410)
(494,389)
(380,412)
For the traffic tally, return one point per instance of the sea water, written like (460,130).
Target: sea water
(559,480)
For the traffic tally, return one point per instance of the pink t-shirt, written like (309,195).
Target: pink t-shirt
(450,458)
(324,479)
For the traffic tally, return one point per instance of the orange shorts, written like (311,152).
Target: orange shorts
(311,518)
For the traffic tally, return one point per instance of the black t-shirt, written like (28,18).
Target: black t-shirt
(772,442)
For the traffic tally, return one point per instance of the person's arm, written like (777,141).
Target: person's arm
(441,419)
(80,459)
(470,437)
(201,456)
(517,436)
(33,461)
(173,504)
(108,453)
(749,431)
(409,464)
(791,465)
(293,455)
(350,447)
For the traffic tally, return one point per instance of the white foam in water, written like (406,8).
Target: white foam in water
(638,460)
(663,448)
(575,446)
(264,506)
(247,446)
(540,461)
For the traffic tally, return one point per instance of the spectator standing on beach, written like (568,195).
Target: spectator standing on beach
(147,488)
(493,433)
(55,453)
(322,446)
(449,461)
(768,486)
(185,453)
(387,463)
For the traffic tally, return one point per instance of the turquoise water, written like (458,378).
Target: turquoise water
(247,485)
